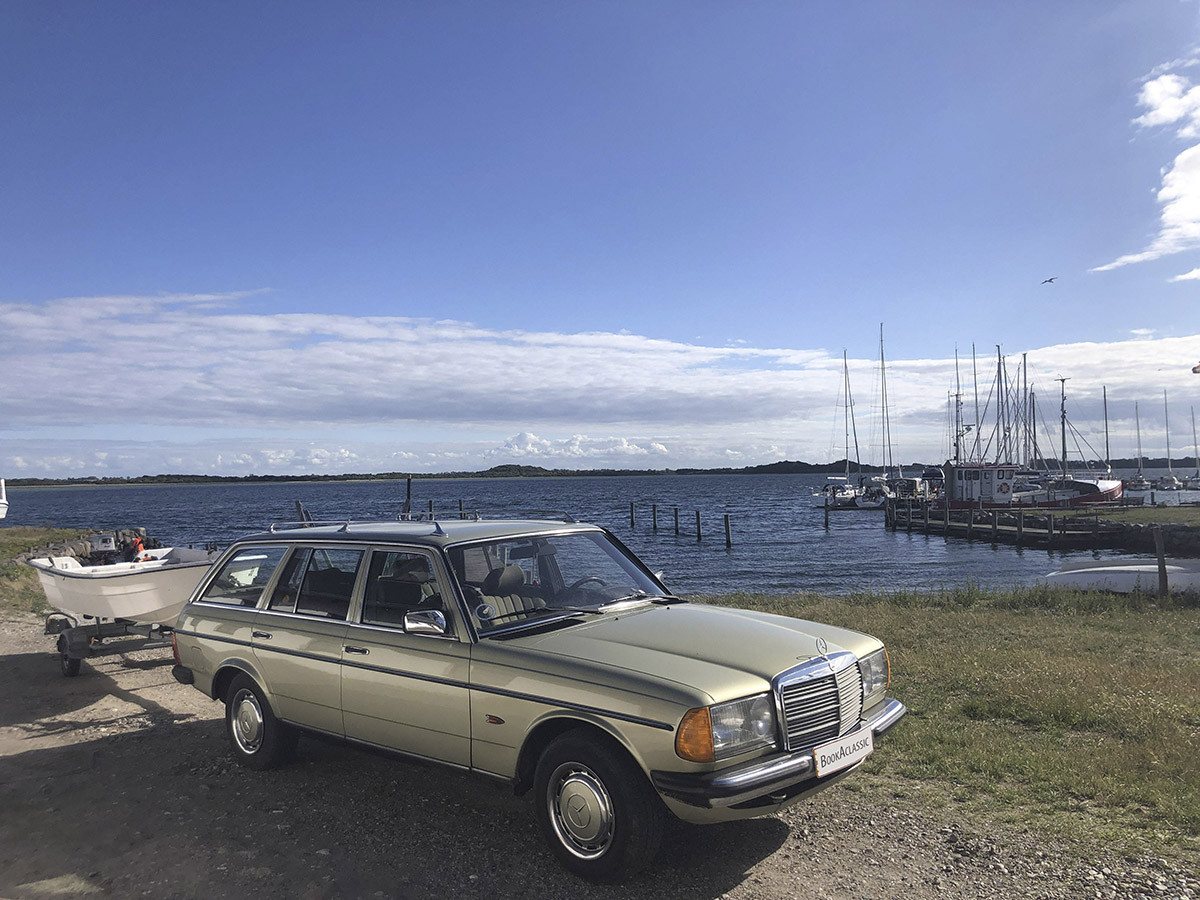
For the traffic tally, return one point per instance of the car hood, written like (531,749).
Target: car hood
(726,653)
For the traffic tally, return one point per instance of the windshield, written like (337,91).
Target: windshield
(528,578)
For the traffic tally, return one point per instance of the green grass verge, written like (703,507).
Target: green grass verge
(19,588)
(1075,712)
(1141,515)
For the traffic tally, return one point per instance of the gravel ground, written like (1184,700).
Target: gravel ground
(118,783)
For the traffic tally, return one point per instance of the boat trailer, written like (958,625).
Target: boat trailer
(77,642)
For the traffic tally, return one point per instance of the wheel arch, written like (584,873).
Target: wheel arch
(231,669)
(547,730)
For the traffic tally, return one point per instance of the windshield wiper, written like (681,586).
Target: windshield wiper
(543,609)
(660,599)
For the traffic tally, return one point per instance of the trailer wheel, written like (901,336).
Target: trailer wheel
(69,664)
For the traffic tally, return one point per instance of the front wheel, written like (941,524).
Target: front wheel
(599,814)
(257,738)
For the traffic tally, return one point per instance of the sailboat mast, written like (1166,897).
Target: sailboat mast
(1107,456)
(846,408)
(1195,443)
(1063,382)
(887,423)
(1137,423)
(958,409)
(1026,410)
(977,451)
(1167,426)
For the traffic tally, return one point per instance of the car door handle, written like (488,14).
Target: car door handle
(363,650)
(265,635)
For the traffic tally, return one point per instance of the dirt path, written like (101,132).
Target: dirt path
(117,783)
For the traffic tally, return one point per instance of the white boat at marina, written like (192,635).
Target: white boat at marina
(1124,576)
(3,500)
(150,591)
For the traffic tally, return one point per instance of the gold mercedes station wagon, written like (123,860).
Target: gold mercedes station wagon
(540,652)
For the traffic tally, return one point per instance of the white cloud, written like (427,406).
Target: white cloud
(1193,275)
(1168,100)
(1142,332)
(1171,99)
(222,391)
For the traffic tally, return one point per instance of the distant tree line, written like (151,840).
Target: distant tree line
(783,467)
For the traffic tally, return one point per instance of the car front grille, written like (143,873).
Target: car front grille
(821,699)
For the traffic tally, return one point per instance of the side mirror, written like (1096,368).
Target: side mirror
(425,621)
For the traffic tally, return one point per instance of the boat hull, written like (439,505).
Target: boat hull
(150,592)
(1124,576)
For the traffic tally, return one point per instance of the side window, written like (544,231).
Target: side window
(242,579)
(328,583)
(397,582)
(287,588)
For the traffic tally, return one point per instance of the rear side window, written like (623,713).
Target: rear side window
(243,577)
(328,583)
(398,582)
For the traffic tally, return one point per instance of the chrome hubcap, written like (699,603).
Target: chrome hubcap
(580,810)
(247,721)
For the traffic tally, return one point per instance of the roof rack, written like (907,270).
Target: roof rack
(343,523)
(554,515)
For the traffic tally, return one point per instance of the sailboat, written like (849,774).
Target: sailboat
(839,491)
(974,483)
(1193,483)
(1138,482)
(3,500)
(1168,482)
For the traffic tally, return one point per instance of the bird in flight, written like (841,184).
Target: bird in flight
(1050,280)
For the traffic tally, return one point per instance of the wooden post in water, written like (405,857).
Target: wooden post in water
(677,521)
(430,509)
(630,515)
(728,533)
(1020,526)
(946,517)
(1161,552)
(908,515)
(925,506)
(654,516)
(1050,529)
(970,524)
(995,525)
(697,525)
(461,514)
(826,510)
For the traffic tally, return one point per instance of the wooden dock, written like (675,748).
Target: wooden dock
(1022,526)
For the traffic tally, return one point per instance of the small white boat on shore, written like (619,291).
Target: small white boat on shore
(1124,576)
(149,591)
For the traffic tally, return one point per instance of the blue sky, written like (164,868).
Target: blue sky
(381,236)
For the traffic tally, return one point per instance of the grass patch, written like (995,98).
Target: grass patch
(1040,705)
(19,588)
(1140,515)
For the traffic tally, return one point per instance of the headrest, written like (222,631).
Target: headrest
(500,582)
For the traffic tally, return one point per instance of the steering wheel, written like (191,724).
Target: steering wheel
(582,581)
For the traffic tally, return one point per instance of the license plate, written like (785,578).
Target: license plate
(844,752)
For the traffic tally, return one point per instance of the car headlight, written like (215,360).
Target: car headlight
(876,674)
(716,732)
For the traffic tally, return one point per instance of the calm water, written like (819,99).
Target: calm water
(780,543)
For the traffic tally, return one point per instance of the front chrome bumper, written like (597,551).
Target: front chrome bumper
(769,781)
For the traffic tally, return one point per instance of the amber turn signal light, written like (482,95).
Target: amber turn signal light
(693,740)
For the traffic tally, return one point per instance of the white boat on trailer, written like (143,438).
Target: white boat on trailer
(149,591)
(1125,576)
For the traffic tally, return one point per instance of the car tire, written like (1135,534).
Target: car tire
(596,808)
(257,738)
